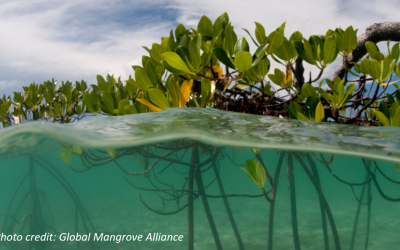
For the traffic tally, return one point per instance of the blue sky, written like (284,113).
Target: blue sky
(75,40)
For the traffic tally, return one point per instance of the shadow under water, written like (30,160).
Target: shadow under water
(188,193)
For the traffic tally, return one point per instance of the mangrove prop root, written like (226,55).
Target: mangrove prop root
(190,203)
(353,235)
(228,208)
(272,204)
(295,228)
(200,187)
(323,215)
(324,202)
(369,197)
(373,176)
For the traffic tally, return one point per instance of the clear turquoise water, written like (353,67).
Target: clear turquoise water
(40,193)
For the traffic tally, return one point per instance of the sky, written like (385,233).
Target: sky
(76,40)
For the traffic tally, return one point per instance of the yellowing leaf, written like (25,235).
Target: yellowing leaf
(34,108)
(212,90)
(288,76)
(149,105)
(384,84)
(185,92)
(218,70)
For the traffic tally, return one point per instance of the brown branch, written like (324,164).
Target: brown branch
(377,32)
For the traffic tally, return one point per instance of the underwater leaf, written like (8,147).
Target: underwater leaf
(261,175)
(185,92)
(66,155)
(250,169)
(77,150)
(111,152)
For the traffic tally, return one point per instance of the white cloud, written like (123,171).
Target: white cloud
(78,39)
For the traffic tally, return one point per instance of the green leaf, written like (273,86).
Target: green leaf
(250,169)
(260,34)
(315,42)
(308,90)
(243,61)
(218,23)
(131,87)
(349,40)
(107,104)
(263,67)
(376,70)
(173,91)
(230,40)
(194,51)
(384,109)
(172,69)
(382,118)
(158,98)
(329,98)
(275,40)
(296,36)
(304,51)
(330,51)
(121,106)
(371,48)
(130,109)
(205,91)
(319,113)
(156,52)
(285,51)
(111,152)
(184,54)
(101,83)
(254,41)
(175,61)
(164,43)
(179,30)
(151,73)
(259,54)
(349,93)
(241,45)
(171,42)
(261,175)
(395,53)
(302,117)
(223,57)
(142,79)
(205,27)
